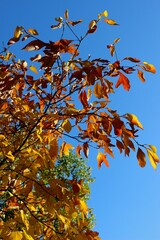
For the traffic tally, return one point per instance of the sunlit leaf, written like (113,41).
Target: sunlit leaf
(154,149)
(66,15)
(103,14)
(98,90)
(65,148)
(59,19)
(152,158)
(149,67)
(59,25)
(32,31)
(66,125)
(92,24)
(15,235)
(33,69)
(18,32)
(27,236)
(110,21)
(116,40)
(134,120)
(73,23)
(124,81)
(141,75)
(101,158)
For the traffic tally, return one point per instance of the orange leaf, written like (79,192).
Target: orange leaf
(65,148)
(102,158)
(141,76)
(124,81)
(149,67)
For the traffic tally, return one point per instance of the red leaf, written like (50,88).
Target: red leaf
(124,81)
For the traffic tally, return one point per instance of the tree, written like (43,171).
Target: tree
(69,99)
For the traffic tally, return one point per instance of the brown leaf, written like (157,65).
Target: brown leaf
(34,45)
(132,59)
(75,22)
(141,158)
(85,149)
(83,98)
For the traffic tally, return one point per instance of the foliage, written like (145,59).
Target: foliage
(46,101)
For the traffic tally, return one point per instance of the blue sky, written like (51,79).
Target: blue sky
(125,198)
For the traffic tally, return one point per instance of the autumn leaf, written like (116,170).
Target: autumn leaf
(116,40)
(66,125)
(33,69)
(141,158)
(134,120)
(83,98)
(149,67)
(153,158)
(32,31)
(34,45)
(110,21)
(18,32)
(27,236)
(132,59)
(15,235)
(65,148)
(98,90)
(101,158)
(124,81)
(103,14)
(141,75)
(66,15)
(73,23)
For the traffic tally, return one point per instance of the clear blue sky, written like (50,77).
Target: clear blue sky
(125,198)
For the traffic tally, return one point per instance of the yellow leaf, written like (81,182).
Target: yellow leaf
(102,158)
(83,206)
(33,31)
(65,148)
(110,21)
(27,236)
(152,159)
(98,90)
(24,219)
(134,120)
(103,14)
(10,155)
(141,157)
(92,24)
(67,125)
(154,149)
(89,93)
(149,67)
(33,69)
(16,235)
(18,32)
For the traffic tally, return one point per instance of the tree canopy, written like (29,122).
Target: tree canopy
(49,105)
